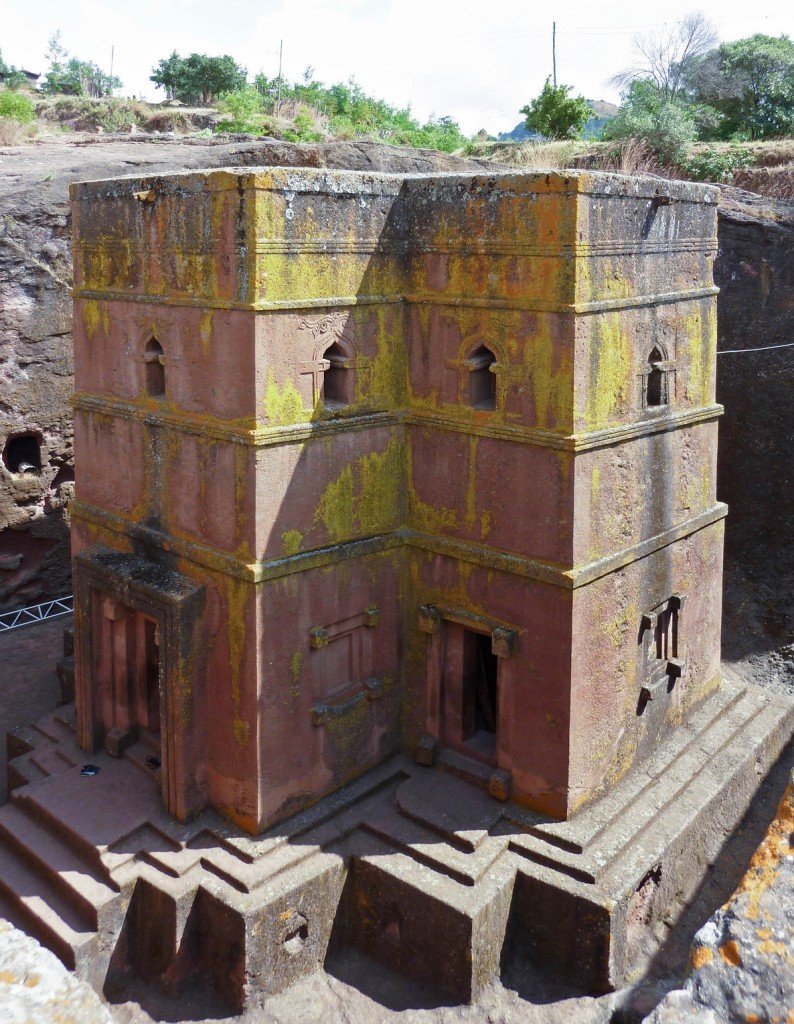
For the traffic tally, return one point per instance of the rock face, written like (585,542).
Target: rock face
(741,964)
(755,273)
(35,987)
(742,960)
(36,319)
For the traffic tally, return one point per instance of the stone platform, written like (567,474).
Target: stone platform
(420,869)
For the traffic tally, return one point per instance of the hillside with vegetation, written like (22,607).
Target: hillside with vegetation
(692,107)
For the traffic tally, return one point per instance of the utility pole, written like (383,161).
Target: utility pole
(110,83)
(278,100)
(554,50)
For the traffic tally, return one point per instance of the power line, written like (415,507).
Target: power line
(762,348)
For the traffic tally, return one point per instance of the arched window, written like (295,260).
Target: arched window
(482,382)
(656,383)
(337,384)
(155,368)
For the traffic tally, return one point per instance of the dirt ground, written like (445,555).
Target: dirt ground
(29,687)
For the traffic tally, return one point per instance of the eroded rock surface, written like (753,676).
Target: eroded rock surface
(742,959)
(755,383)
(35,987)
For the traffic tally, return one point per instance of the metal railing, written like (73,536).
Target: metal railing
(35,613)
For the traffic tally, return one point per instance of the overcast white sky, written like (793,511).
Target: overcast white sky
(476,60)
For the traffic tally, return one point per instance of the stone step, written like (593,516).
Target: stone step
(23,770)
(467,768)
(140,753)
(21,740)
(585,828)
(665,788)
(77,881)
(733,770)
(28,801)
(574,865)
(42,910)
(423,846)
(51,759)
(67,716)
(52,727)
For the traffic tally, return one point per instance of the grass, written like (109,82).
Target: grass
(769,166)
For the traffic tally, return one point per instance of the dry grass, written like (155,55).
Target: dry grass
(772,173)
(12,132)
(776,182)
(541,156)
(630,157)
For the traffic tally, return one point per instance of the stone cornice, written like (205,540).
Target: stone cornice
(261,571)
(414,298)
(262,436)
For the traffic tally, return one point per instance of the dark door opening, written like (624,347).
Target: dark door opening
(480,693)
(152,677)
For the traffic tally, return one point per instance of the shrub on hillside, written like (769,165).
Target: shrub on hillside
(16,106)
(713,164)
(664,126)
(556,114)
(243,110)
(304,128)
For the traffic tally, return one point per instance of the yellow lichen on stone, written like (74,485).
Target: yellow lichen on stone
(283,405)
(237,593)
(730,953)
(379,503)
(205,330)
(291,541)
(700,956)
(335,510)
(608,388)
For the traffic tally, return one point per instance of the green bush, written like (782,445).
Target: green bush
(666,128)
(716,165)
(304,129)
(17,107)
(245,111)
(556,114)
(116,116)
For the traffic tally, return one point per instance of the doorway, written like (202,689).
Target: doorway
(129,669)
(147,656)
(470,693)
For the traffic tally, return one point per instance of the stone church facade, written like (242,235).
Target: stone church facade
(374,463)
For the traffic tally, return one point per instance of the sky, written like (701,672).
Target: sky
(478,61)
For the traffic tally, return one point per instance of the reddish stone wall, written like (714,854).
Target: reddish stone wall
(349,555)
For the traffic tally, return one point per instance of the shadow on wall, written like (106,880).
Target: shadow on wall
(755,310)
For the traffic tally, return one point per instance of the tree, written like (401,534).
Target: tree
(10,76)
(666,126)
(72,77)
(750,83)
(198,78)
(556,114)
(666,56)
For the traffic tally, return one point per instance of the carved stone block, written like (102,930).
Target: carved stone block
(500,784)
(429,618)
(504,642)
(318,637)
(427,750)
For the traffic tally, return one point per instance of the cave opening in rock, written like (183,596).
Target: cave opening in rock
(22,453)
